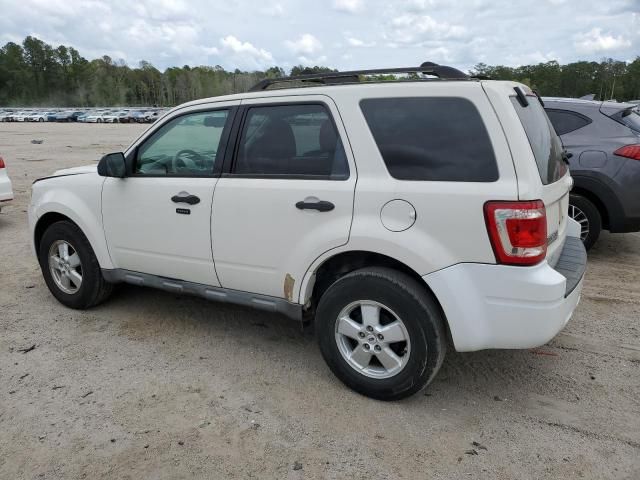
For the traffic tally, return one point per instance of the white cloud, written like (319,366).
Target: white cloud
(275,10)
(415,29)
(350,6)
(304,60)
(356,42)
(306,44)
(246,54)
(595,41)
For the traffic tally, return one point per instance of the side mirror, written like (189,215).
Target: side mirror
(112,165)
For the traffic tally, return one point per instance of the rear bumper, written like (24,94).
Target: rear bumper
(499,306)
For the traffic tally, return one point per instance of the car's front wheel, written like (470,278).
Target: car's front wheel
(70,267)
(381,333)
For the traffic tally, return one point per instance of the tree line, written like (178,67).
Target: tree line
(37,74)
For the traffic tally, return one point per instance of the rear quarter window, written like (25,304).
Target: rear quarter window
(545,143)
(431,138)
(565,121)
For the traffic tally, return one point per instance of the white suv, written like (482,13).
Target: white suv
(399,216)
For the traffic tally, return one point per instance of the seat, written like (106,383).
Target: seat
(272,152)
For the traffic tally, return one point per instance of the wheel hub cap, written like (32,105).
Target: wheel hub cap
(372,339)
(65,266)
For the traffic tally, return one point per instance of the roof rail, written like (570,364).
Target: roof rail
(332,78)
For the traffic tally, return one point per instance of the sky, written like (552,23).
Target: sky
(343,34)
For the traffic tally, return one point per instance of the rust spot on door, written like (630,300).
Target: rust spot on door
(288,287)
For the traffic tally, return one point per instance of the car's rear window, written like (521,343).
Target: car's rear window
(431,138)
(545,143)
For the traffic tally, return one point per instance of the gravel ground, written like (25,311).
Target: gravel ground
(152,385)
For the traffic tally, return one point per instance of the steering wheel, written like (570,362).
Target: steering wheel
(190,163)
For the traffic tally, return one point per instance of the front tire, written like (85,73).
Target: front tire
(381,333)
(70,267)
(587,215)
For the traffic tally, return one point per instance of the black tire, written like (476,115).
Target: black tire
(586,213)
(93,289)
(404,296)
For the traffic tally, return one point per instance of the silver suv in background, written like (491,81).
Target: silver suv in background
(603,140)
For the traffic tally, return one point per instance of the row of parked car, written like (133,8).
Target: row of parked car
(83,116)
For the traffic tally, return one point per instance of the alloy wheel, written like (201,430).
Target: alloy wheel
(580,217)
(65,266)
(372,339)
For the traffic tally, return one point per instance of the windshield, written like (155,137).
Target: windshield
(545,143)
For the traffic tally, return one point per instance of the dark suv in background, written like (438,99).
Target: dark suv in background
(603,139)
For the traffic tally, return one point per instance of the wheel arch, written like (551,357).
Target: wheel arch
(89,227)
(342,263)
(599,204)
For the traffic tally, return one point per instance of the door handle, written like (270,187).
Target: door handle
(320,205)
(185,197)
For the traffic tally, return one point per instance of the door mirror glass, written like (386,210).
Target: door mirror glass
(112,165)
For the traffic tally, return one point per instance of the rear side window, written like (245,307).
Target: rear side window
(545,144)
(565,121)
(631,118)
(298,141)
(431,138)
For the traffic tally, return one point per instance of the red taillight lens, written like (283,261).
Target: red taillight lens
(629,151)
(2,165)
(518,231)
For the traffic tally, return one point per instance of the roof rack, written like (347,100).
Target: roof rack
(333,78)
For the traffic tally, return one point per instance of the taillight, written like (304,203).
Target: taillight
(629,151)
(2,165)
(518,231)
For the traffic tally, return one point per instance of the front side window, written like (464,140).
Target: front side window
(186,145)
(431,139)
(290,140)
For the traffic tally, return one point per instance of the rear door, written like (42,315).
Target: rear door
(286,196)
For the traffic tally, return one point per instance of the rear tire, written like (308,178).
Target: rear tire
(385,367)
(77,281)
(587,215)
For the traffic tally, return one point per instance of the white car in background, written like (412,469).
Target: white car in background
(21,116)
(37,117)
(97,117)
(6,191)
(116,117)
(5,116)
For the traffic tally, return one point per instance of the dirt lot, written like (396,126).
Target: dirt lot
(151,385)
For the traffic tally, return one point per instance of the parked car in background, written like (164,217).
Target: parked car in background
(68,116)
(603,139)
(96,117)
(40,116)
(6,191)
(151,117)
(20,116)
(365,209)
(138,116)
(5,116)
(116,117)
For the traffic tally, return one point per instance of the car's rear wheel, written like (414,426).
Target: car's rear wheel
(583,211)
(381,333)
(70,267)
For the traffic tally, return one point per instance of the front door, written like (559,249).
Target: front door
(157,220)
(286,198)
